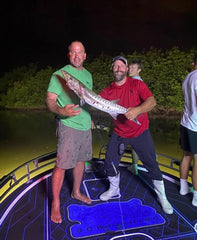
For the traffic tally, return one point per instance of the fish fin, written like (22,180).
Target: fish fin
(115,101)
(82,102)
(136,121)
(114,116)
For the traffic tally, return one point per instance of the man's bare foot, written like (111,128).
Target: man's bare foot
(55,213)
(81,197)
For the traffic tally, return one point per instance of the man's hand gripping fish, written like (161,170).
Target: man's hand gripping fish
(94,100)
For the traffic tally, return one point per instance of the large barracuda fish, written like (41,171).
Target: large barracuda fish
(94,100)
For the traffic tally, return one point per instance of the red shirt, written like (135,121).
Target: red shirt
(131,94)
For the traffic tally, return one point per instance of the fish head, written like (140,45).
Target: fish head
(65,75)
(72,83)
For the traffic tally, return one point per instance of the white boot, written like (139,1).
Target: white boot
(184,188)
(194,200)
(113,188)
(160,191)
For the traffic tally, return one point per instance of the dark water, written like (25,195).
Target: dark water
(26,135)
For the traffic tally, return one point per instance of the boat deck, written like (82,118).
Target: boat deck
(25,213)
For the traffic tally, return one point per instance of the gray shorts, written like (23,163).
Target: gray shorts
(73,146)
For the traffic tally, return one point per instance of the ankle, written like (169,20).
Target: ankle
(194,200)
(184,188)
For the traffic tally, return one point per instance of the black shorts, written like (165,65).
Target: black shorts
(188,140)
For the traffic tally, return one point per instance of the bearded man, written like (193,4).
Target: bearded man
(134,95)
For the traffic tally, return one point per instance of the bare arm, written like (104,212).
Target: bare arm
(68,110)
(146,106)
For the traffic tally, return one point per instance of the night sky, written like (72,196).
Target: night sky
(40,30)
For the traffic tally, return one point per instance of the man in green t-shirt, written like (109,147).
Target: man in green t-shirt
(74,146)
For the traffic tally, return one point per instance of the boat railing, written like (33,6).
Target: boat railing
(45,162)
(165,161)
(31,168)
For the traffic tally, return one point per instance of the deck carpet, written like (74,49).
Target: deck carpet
(25,214)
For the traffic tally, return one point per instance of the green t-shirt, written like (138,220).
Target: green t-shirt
(57,85)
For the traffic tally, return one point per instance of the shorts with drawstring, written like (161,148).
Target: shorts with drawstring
(73,146)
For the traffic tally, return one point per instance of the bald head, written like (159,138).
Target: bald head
(76,54)
(74,43)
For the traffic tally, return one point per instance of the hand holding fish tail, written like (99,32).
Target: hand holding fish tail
(131,113)
(145,107)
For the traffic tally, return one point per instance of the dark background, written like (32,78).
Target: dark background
(39,31)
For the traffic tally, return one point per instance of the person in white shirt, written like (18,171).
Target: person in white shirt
(188,133)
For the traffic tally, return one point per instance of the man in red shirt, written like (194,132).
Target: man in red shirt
(134,95)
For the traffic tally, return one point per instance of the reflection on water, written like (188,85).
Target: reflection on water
(166,135)
(26,135)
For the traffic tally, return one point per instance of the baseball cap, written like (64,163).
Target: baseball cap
(121,58)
